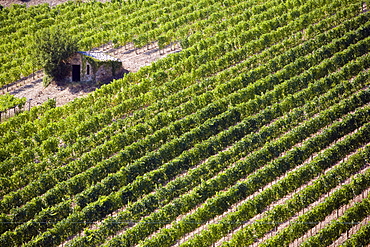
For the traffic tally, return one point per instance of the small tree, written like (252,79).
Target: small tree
(52,47)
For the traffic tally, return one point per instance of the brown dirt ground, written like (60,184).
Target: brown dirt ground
(31,87)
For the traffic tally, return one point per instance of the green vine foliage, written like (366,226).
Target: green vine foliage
(8,101)
(52,47)
(258,89)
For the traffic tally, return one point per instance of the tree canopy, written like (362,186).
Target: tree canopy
(52,47)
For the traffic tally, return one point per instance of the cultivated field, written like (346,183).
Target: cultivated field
(252,129)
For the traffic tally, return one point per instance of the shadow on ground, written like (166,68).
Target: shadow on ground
(86,87)
(26,87)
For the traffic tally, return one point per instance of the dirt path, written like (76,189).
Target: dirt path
(132,59)
(34,91)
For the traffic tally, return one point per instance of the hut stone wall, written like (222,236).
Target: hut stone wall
(86,68)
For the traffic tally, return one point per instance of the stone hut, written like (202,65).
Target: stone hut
(93,67)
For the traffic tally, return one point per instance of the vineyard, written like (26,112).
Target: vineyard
(256,133)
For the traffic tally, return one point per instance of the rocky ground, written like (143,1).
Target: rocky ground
(132,60)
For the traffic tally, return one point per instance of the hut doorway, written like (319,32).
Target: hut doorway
(76,72)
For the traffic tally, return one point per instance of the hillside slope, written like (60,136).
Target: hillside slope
(256,133)
(28,3)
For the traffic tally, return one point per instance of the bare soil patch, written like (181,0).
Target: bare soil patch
(34,90)
(132,59)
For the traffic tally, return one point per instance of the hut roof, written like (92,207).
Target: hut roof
(99,56)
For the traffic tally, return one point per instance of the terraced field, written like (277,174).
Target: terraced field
(255,134)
